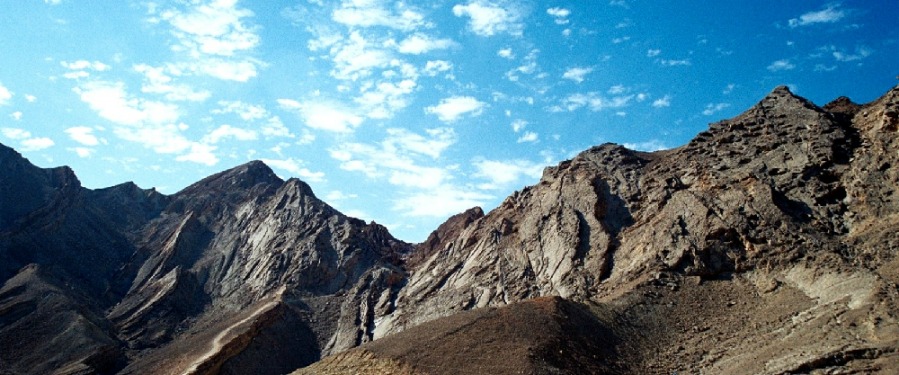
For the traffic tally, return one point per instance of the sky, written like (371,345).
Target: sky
(407,112)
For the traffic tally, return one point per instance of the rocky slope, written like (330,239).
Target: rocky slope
(764,246)
(216,278)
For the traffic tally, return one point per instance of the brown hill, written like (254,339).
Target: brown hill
(764,246)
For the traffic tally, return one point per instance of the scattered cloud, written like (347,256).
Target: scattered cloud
(5,94)
(653,52)
(648,146)
(27,142)
(296,168)
(682,62)
(228,131)
(560,15)
(247,112)
(355,13)
(337,195)
(662,102)
(506,53)
(713,108)
(83,135)
(488,19)
(419,43)
(780,65)
(156,81)
(440,202)
(432,68)
(503,173)
(79,69)
(357,58)
(593,101)
(519,125)
(577,74)
(452,108)
(112,102)
(860,54)
(830,14)
(437,141)
(729,88)
(214,37)
(324,115)
(528,137)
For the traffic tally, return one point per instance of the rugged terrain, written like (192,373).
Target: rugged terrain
(764,246)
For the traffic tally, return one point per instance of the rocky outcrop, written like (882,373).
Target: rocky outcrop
(766,245)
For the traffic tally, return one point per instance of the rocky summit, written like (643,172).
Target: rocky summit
(766,245)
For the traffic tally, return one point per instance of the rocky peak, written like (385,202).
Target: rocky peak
(241,177)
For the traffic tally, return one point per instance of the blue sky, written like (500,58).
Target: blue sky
(407,112)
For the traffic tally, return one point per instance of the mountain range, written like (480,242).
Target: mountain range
(766,245)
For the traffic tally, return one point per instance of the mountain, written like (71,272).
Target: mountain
(766,245)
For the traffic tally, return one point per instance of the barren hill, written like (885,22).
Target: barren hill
(764,246)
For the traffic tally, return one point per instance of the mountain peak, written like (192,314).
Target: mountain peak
(243,176)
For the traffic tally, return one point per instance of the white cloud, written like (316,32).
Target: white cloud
(296,168)
(729,89)
(247,112)
(228,131)
(488,19)
(52,2)
(382,100)
(27,142)
(367,13)
(36,144)
(593,101)
(653,52)
(441,201)
(618,89)
(419,43)
(503,173)
(452,108)
(780,65)
(15,134)
(577,73)
(274,127)
(648,146)
(827,15)
(83,152)
(199,153)
(528,137)
(30,98)
(5,94)
(713,108)
(111,102)
(324,115)
(432,68)
(506,53)
(357,58)
(212,34)
(83,135)
(337,195)
(519,125)
(17,115)
(860,54)
(156,81)
(438,141)
(560,15)
(683,62)
(662,102)
(85,65)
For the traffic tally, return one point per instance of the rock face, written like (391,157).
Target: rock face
(216,278)
(764,246)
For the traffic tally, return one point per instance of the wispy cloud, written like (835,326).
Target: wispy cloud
(5,95)
(453,108)
(682,62)
(228,131)
(662,102)
(375,13)
(593,101)
(295,167)
(27,142)
(528,137)
(653,52)
(83,135)
(712,108)
(577,74)
(156,81)
(488,19)
(780,65)
(214,38)
(860,54)
(419,43)
(560,15)
(506,53)
(830,14)
(500,174)
(324,115)
(648,146)
(434,67)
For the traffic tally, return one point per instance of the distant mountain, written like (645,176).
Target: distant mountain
(766,245)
